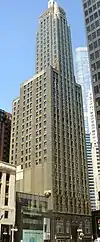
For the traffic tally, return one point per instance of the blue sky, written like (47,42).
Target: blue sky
(18,25)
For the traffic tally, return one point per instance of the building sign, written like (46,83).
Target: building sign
(32,235)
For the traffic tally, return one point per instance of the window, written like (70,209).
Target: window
(90,47)
(92,56)
(93,66)
(45,159)
(45,104)
(36,140)
(97,23)
(94,7)
(39,161)
(40,118)
(22,152)
(92,26)
(98,64)
(98,75)
(96,89)
(97,54)
(39,139)
(86,13)
(89,2)
(40,153)
(95,15)
(45,137)
(6,201)
(98,4)
(91,18)
(7,177)
(40,125)
(87,20)
(40,112)
(95,44)
(45,144)
(6,214)
(90,10)
(94,78)
(94,35)
(98,32)
(36,147)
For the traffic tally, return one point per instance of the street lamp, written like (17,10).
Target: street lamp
(13,230)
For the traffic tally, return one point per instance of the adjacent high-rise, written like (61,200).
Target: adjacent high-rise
(92,22)
(48,136)
(5,132)
(84,79)
(94,147)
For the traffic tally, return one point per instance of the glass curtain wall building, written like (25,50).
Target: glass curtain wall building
(84,79)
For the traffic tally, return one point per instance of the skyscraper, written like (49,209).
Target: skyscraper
(5,132)
(92,22)
(48,136)
(94,147)
(84,79)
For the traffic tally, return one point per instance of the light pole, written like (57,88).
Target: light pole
(13,230)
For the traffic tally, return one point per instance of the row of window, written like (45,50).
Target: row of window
(92,26)
(27,165)
(90,2)
(27,158)
(39,161)
(93,36)
(95,55)
(93,17)
(94,45)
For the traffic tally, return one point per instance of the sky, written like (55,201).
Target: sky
(18,25)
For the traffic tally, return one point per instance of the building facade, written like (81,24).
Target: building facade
(84,79)
(95,148)
(35,221)
(92,23)
(5,132)
(7,200)
(48,136)
(31,218)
